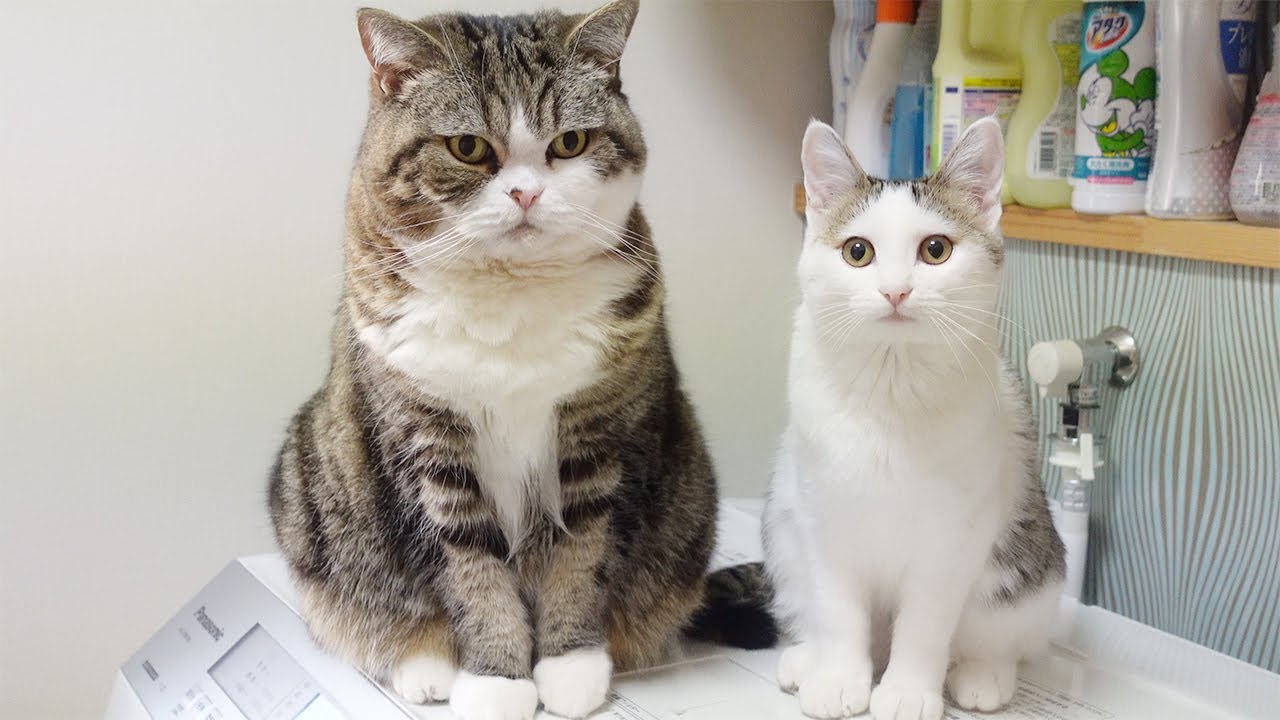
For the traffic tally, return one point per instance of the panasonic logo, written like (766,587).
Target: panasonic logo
(214,631)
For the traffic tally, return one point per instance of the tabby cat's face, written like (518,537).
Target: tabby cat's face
(500,138)
(903,261)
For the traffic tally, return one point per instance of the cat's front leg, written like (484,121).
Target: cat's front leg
(574,667)
(831,667)
(929,609)
(492,628)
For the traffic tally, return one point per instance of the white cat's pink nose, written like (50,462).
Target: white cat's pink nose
(895,297)
(525,198)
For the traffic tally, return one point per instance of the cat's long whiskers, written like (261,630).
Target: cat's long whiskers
(994,314)
(613,250)
(995,394)
(630,242)
(457,216)
(588,212)
(422,255)
(942,332)
(637,259)
(968,318)
(635,250)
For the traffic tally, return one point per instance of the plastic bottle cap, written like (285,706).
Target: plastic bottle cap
(896,11)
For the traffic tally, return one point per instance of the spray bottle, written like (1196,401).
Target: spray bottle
(1255,181)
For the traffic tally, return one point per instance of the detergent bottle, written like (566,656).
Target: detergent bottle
(1203,50)
(978,71)
(1116,101)
(1042,132)
(870,112)
(855,22)
(908,151)
(1255,181)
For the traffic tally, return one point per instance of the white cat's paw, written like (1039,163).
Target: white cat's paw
(795,664)
(422,679)
(984,685)
(575,683)
(835,692)
(896,702)
(488,697)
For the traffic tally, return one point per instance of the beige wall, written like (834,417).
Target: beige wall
(171,188)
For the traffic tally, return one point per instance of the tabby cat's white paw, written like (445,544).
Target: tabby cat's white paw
(896,702)
(422,679)
(575,683)
(487,697)
(982,685)
(838,691)
(795,664)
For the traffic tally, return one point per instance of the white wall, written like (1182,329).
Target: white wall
(171,199)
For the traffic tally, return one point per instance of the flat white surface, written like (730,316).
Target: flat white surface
(172,182)
(1101,667)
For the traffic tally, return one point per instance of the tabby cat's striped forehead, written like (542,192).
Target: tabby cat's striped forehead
(498,66)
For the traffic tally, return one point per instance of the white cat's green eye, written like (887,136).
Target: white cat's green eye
(935,249)
(470,149)
(569,145)
(858,252)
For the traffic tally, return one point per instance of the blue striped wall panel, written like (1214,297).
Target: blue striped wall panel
(1185,532)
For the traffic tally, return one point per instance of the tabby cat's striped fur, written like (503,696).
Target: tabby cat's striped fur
(501,477)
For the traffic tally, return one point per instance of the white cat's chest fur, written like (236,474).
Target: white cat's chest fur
(504,351)
(884,485)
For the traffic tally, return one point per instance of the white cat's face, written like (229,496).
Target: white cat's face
(894,262)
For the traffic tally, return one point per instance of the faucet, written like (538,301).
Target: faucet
(1073,371)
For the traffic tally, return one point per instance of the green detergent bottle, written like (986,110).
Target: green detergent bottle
(978,70)
(1041,142)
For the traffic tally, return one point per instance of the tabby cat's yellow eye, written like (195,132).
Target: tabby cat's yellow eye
(470,149)
(935,249)
(569,145)
(858,252)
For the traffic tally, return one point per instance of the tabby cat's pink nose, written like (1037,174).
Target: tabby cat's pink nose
(525,198)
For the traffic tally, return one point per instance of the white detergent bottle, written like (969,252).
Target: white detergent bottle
(870,110)
(1202,56)
(860,25)
(836,50)
(1042,132)
(1255,181)
(1116,107)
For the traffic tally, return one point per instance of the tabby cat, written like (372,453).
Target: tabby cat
(501,493)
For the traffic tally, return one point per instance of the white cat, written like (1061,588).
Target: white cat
(906,510)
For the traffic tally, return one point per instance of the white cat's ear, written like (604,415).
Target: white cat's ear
(602,34)
(396,49)
(829,168)
(975,167)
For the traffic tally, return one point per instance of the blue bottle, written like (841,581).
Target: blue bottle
(912,102)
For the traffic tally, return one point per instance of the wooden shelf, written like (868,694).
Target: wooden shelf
(1212,241)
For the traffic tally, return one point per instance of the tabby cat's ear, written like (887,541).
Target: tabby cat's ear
(975,168)
(602,34)
(829,169)
(396,49)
